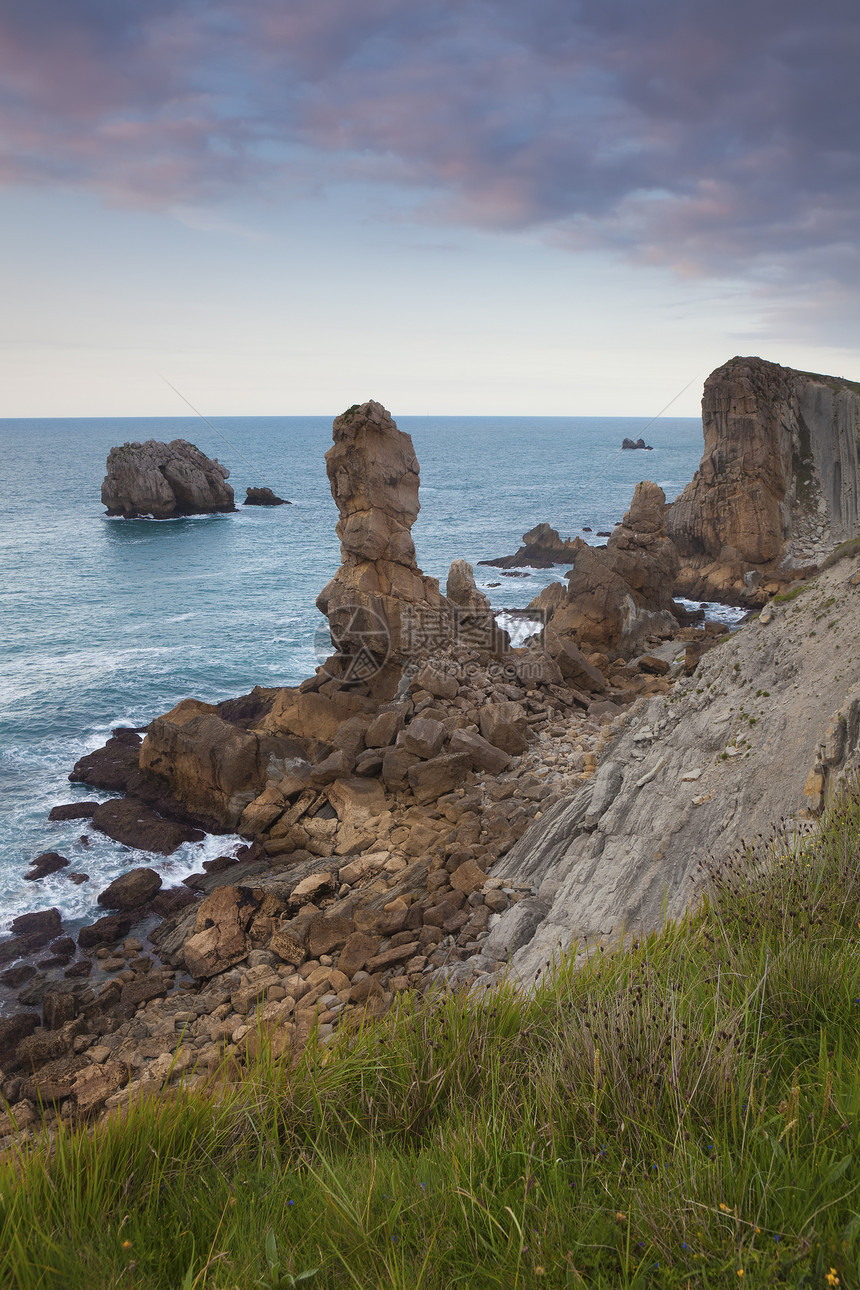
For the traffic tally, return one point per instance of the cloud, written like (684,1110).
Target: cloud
(718,139)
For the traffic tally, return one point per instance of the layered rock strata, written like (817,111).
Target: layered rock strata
(164,480)
(766,730)
(778,486)
(621,594)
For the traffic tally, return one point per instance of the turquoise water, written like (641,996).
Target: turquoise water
(107,622)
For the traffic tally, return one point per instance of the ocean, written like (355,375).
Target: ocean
(107,622)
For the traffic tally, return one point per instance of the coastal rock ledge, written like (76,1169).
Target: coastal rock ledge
(164,480)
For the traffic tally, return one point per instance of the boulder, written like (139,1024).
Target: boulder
(482,754)
(130,890)
(163,480)
(109,767)
(106,931)
(504,726)
(430,779)
(219,940)
(42,923)
(423,737)
(359,804)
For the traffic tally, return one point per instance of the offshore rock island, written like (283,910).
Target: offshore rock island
(164,480)
(433,807)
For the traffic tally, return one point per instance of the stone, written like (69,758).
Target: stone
(656,666)
(94,1084)
(72,811)
(325,934)
(288,948)
(132,822)
(131,890)
(481,753)
(370,863)
(393,955)
(468,877)
(219,940)
(360,804)
(504,726)
(48,862)
(430,779)
(112,766)
(385,727)
(423,737)
(58,1007)
(542,548)
(311,887)
(359,947)
(105,931)
(435,680)
(396,764)
(163,480)
(573,664)
(12,1031)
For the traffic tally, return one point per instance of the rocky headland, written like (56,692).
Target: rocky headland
(778,484)
(432,807)
(164,480)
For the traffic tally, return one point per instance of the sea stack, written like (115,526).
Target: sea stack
(165,480)
(379,604)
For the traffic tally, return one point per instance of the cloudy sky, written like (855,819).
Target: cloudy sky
(285,206)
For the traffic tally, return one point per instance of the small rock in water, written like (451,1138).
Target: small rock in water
(263,497)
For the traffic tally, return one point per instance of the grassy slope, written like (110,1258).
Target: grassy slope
(683,1113)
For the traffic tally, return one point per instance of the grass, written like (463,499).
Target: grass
(680,1113)
(844,551)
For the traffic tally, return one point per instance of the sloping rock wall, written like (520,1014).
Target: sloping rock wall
(767,728)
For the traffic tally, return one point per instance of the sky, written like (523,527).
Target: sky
(560,207)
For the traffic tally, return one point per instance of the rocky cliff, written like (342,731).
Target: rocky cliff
(779,482)
(164,480)
(765,730)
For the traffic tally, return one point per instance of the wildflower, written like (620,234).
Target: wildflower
(620,1217)
(126,1245)
(725,1208)
(832,1278)
(740,1272)
(539,1271)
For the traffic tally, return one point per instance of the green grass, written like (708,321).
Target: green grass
(844,551)
(676,1114)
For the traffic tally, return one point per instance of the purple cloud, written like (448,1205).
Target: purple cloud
(713,138)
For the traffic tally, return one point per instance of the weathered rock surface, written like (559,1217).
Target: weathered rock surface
(164,480)
(48,862)
(779,481)
(620,594)
(379,601)
(768,727)
(137,887)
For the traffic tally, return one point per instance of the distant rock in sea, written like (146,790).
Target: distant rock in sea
(164,480)
(263,497)
(637,443)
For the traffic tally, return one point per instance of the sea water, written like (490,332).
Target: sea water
(107,622)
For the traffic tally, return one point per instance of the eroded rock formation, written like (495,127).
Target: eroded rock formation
(461,590)
(620,594)
(378,594)
(164,480)
(778,486)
